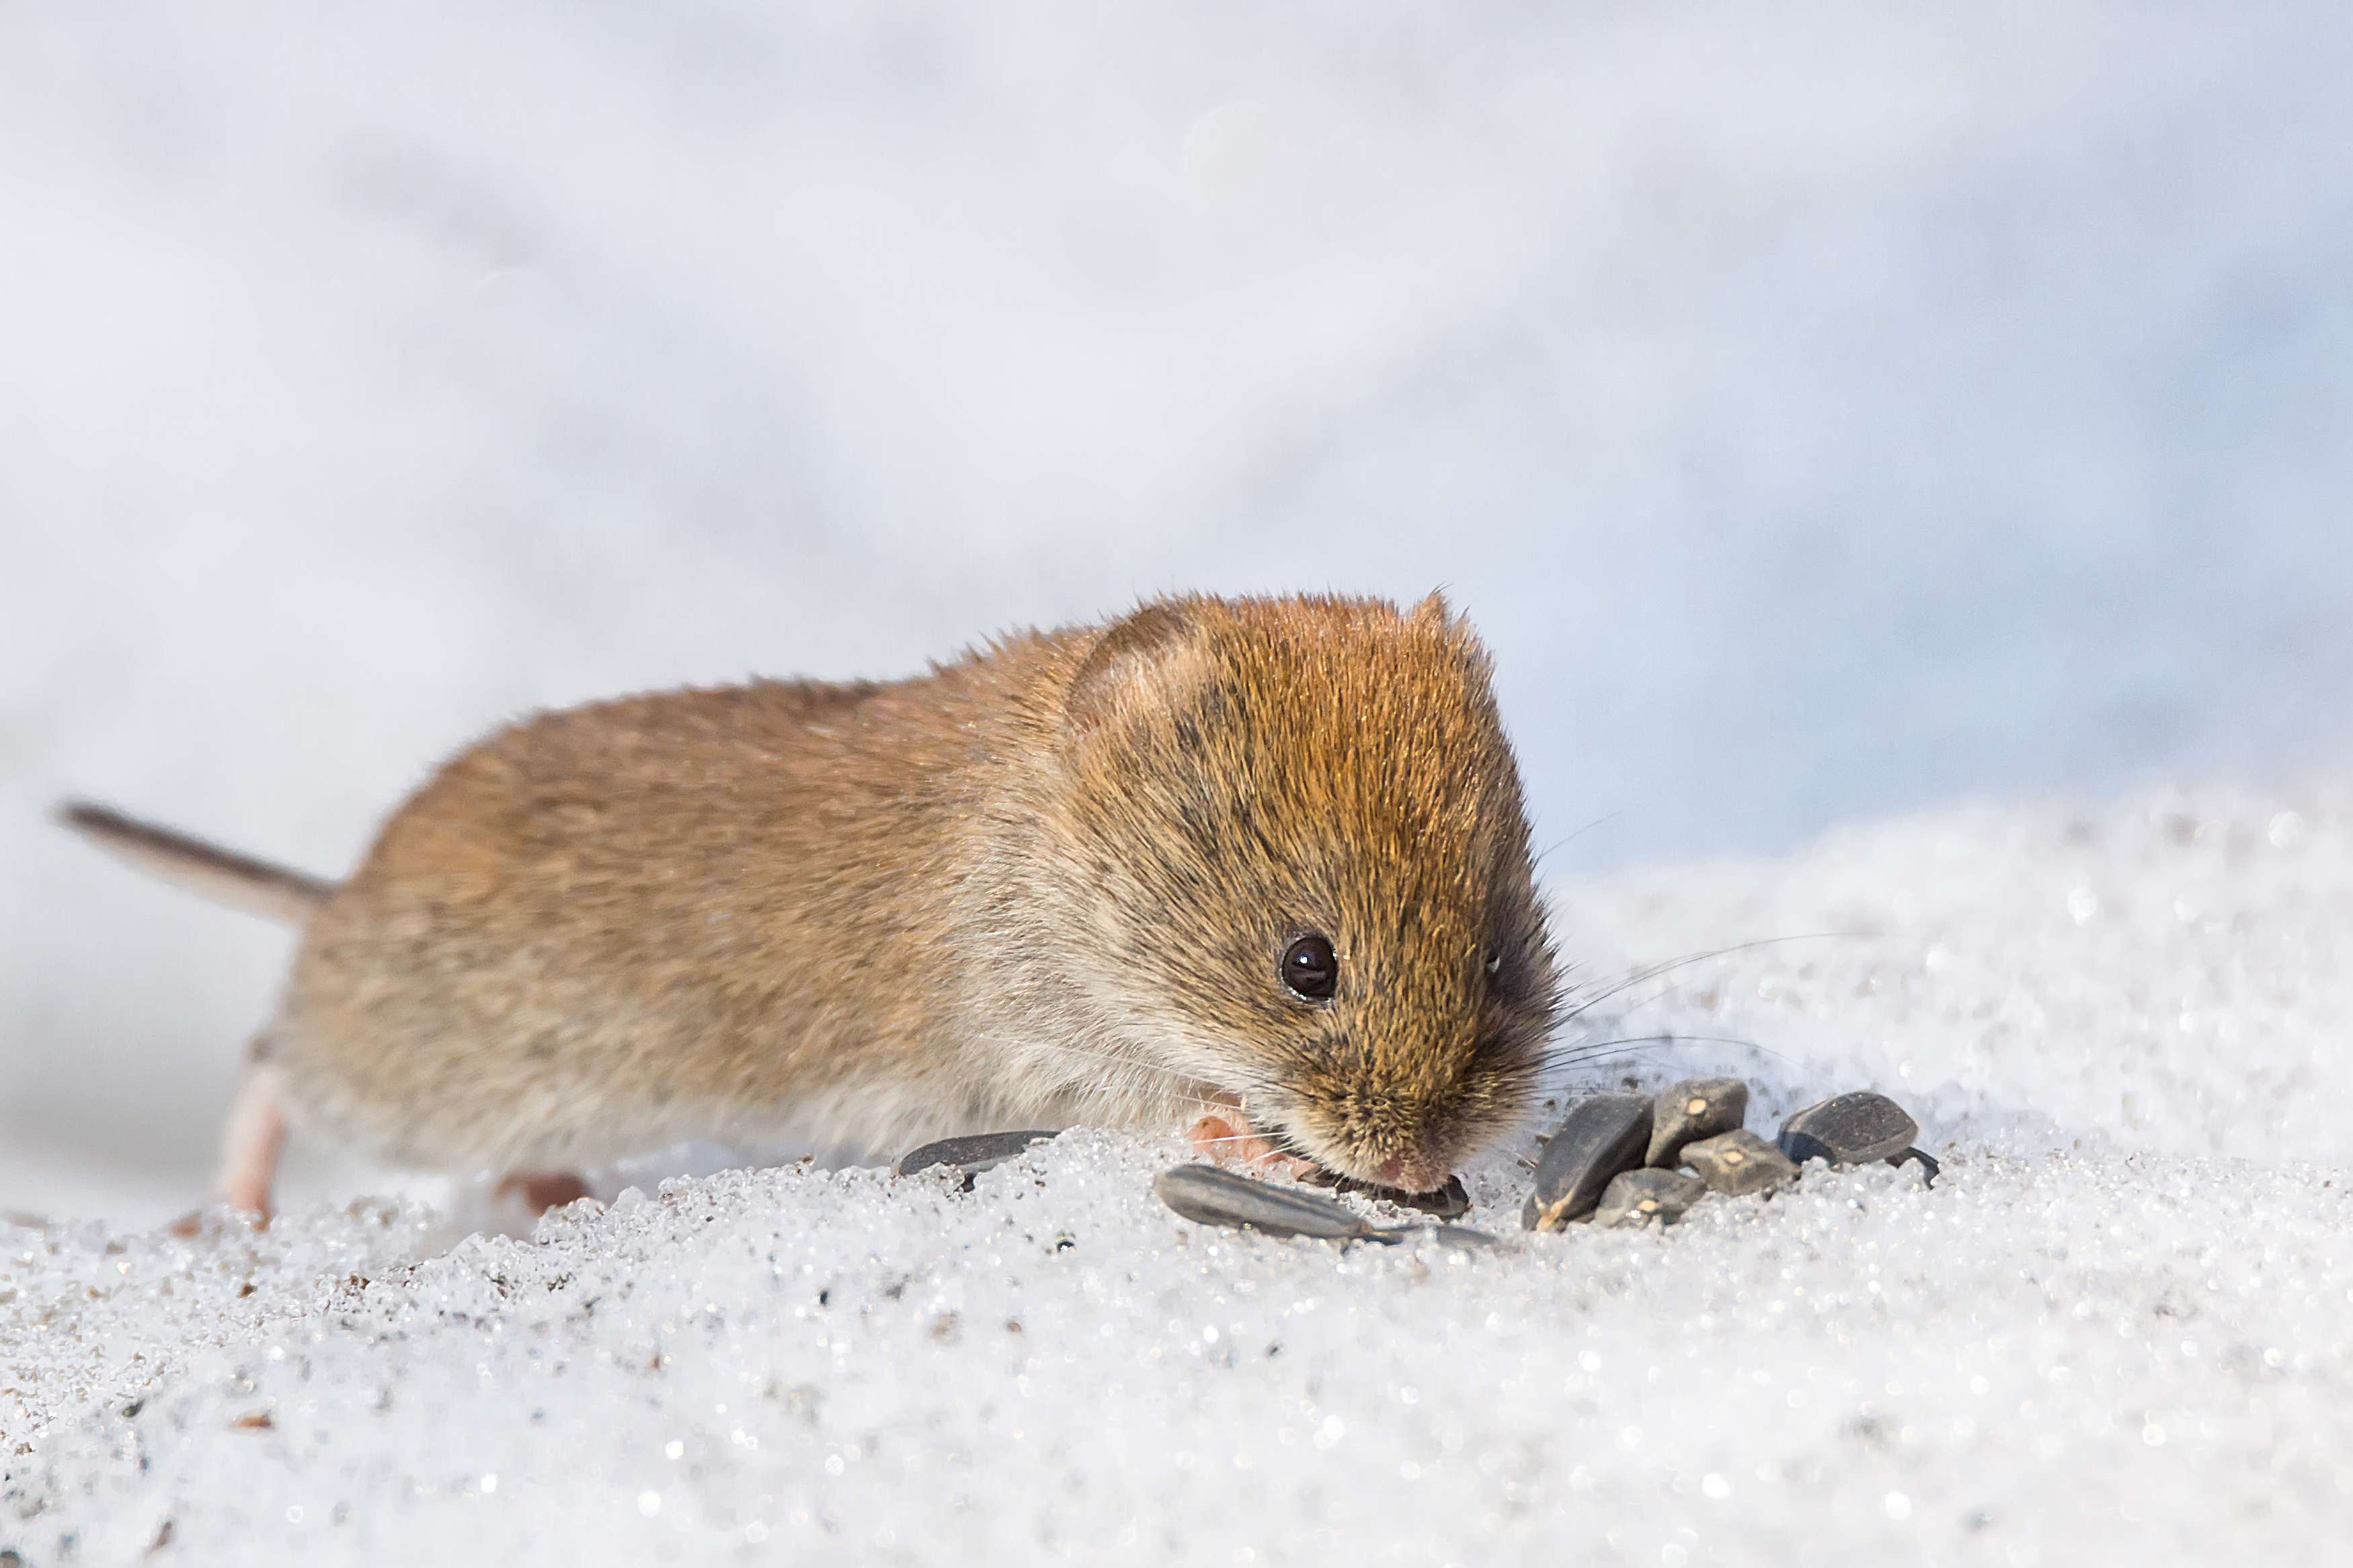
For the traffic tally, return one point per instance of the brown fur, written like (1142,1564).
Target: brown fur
(1049,883)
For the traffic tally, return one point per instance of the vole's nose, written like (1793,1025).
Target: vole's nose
(1421,1169)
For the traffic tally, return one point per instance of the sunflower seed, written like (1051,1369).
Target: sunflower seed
(1694,1108)
(1604,1134)
(1849,1129)
(972,1156)
(1643,1197)
(1461,1238)
(1449,1202)
(1920,1157)
(1212,1197)
(1738,1163)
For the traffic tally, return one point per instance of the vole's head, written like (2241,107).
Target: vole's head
(1304,873)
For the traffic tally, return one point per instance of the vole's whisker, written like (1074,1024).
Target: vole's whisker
(1584,1051)
(1652,971)
(1571,837)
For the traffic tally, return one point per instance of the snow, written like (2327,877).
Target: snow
(2115,1329)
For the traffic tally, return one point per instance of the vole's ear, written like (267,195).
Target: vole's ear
(1140,662)
(1433,613)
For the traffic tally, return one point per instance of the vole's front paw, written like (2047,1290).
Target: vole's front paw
(1226,1136)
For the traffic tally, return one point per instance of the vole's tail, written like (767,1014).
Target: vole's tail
(256,886)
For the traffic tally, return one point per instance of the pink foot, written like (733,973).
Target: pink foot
(1226,1137)
(543,1190)
(255,1137)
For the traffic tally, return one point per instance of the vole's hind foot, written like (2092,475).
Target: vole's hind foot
(1226,1137)
(214,1219)
(543,1190)
(252,1142)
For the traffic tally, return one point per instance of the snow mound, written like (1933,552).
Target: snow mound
(2117,1327)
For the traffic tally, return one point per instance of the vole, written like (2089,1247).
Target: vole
(1257,865)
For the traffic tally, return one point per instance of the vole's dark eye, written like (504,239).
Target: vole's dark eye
(1494,964)
(1311,968)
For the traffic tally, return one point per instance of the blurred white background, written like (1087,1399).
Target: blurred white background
(1824,409)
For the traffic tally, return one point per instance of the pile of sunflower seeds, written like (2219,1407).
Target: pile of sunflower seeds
(1617,1160)
(1636,1159)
